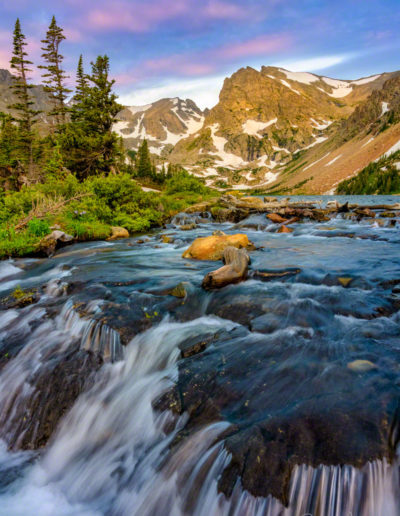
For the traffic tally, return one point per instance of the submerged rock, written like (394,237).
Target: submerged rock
(212,247)
(275,275)
(53,391)
(285,229)
(188,227)
(344,281)
(179,291)
(361,366)
(235,269)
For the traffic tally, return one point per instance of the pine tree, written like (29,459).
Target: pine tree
(144,166)
(90,146)
(54,78)
(81,82)
(26,115)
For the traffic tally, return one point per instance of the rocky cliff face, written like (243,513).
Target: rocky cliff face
(163,124)
(263,119)
(369,133)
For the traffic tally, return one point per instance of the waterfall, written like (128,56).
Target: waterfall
(112,452)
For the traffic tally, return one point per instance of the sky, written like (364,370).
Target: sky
(185,48)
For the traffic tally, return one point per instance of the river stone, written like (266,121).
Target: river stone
(361,366)
(118,232)
(274,217)
(285,229)
(235,269)
(188,227)
(179,291)
(212,247)
(48,245)
(344,281)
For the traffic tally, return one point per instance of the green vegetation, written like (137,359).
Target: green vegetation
(77,177)
(380,177)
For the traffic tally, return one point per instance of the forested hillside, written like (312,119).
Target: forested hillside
(74,175)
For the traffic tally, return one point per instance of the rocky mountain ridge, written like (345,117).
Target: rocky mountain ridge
(263,119)
(273,129)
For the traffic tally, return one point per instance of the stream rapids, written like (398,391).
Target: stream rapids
(277,396)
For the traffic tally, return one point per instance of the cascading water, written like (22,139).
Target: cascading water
(116,451)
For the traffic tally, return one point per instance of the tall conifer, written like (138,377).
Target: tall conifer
(20,86)
(54,76)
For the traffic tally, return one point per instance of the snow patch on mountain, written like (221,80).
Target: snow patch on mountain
(321,126)
(366,80)
(285,83)
(139,109)
(340,88)
(385,108)
(392,150)
(228,160)
(303,77)
(253,127)
(333,160)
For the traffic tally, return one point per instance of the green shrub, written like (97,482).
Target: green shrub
(182,181)
(38,227)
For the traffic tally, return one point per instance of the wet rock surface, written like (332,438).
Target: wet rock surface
(50,243)
(243,380)
(236,262)
(213,247)
(303,370)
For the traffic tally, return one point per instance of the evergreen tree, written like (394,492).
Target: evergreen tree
(90,146)
(54,76)
(9,150)
(80,90)
(26,114)
(144,166)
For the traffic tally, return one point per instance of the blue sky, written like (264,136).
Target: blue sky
(165,48)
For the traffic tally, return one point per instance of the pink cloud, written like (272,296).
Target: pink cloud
(258,46)
(219,9)
(73,35)
(135,18)
(4,59)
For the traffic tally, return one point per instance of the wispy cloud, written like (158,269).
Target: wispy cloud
(261,45)
(224,10)
(134,16)
(314,64)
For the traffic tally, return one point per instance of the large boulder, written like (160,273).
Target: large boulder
(48,245)
(213,247)
(235,269)
(117,232)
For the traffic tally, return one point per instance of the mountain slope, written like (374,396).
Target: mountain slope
(162,123)
(370,132)
(263,119)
